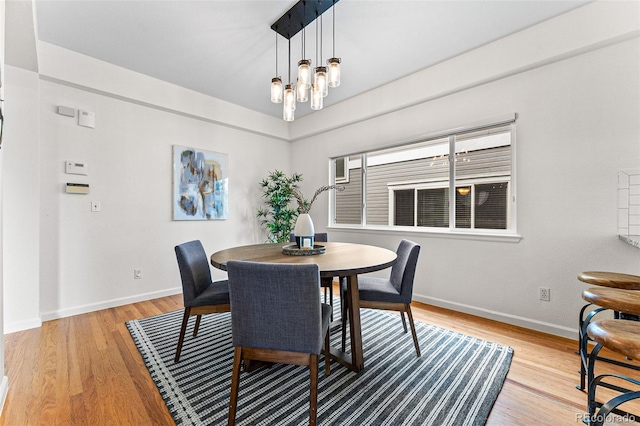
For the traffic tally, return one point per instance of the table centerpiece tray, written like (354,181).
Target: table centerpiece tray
(293,250)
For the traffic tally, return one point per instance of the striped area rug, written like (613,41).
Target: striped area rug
(455,381)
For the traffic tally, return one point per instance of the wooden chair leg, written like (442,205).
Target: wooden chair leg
(327,349)
(235,383)
(413,329)
(183,330)
(313,394)
(344,311)
(330,297)
(327,285)
(404,323)
(197,326)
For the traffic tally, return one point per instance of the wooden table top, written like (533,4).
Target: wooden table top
(611,279)
(339,259)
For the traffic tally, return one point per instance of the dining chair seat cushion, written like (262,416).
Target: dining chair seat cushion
(216,294)
(376,289)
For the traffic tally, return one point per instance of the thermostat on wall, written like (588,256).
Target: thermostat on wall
(87,119)
(77,188)
(76,168)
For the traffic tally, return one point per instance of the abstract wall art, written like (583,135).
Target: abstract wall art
(200,184)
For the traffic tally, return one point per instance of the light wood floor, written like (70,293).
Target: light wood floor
(86,370)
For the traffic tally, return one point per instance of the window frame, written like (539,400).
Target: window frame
(504,235)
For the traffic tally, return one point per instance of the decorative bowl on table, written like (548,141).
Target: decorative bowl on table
(292,249)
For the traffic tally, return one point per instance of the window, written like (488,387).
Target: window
(349,199)
(478,206)
(417,185)
(342,170)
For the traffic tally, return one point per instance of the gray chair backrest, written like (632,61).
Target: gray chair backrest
(320,237)
(275,306)
(404,270)
(194,270)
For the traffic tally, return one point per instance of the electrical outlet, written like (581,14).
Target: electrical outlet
(137,274)
(544,293)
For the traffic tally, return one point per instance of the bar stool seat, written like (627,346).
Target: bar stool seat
(621,336)
(626,301)
(611,279)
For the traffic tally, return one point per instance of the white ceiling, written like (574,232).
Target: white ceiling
(226,49)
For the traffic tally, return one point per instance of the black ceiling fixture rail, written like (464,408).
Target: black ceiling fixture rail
(300,15)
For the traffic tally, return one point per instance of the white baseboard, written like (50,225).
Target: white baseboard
(83,309)
(4,389)
(529,323)
(12,327)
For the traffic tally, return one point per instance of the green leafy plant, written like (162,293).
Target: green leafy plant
(277,216)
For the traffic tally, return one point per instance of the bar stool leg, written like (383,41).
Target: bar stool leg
(584,346)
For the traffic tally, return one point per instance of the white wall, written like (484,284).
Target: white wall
(22,201)
(578,124)
(86,259)
(4,383)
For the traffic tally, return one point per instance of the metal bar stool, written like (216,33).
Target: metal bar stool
(620,336)
(617,300)
(602,279)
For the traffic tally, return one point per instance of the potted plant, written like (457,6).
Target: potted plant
(277,216)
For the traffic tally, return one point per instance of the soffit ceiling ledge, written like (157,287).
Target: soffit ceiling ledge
(73,69)
(20,36)
(587,28)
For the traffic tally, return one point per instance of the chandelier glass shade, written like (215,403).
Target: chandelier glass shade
(302,92)
(304,73)
(289,97)
(334,72)
(320,80)
(288,114)
(316,98)
(276,90)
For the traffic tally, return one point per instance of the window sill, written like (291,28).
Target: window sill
(477,235)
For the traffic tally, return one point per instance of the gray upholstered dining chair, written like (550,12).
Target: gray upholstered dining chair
(277,317)
(392,294)
(201,295)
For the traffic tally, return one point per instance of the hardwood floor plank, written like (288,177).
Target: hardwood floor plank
(86,370)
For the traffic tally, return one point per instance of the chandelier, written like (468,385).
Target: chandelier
(305,88)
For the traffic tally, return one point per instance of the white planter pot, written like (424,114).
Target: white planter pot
(304,231)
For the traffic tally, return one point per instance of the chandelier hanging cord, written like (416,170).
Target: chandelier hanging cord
(333,26)
(289,61)
(320,40)
(317,61)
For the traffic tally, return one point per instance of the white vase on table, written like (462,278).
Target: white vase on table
(304,231)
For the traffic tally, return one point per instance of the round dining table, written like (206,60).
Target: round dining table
(338,260)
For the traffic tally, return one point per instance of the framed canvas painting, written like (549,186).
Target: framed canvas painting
(200,184)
